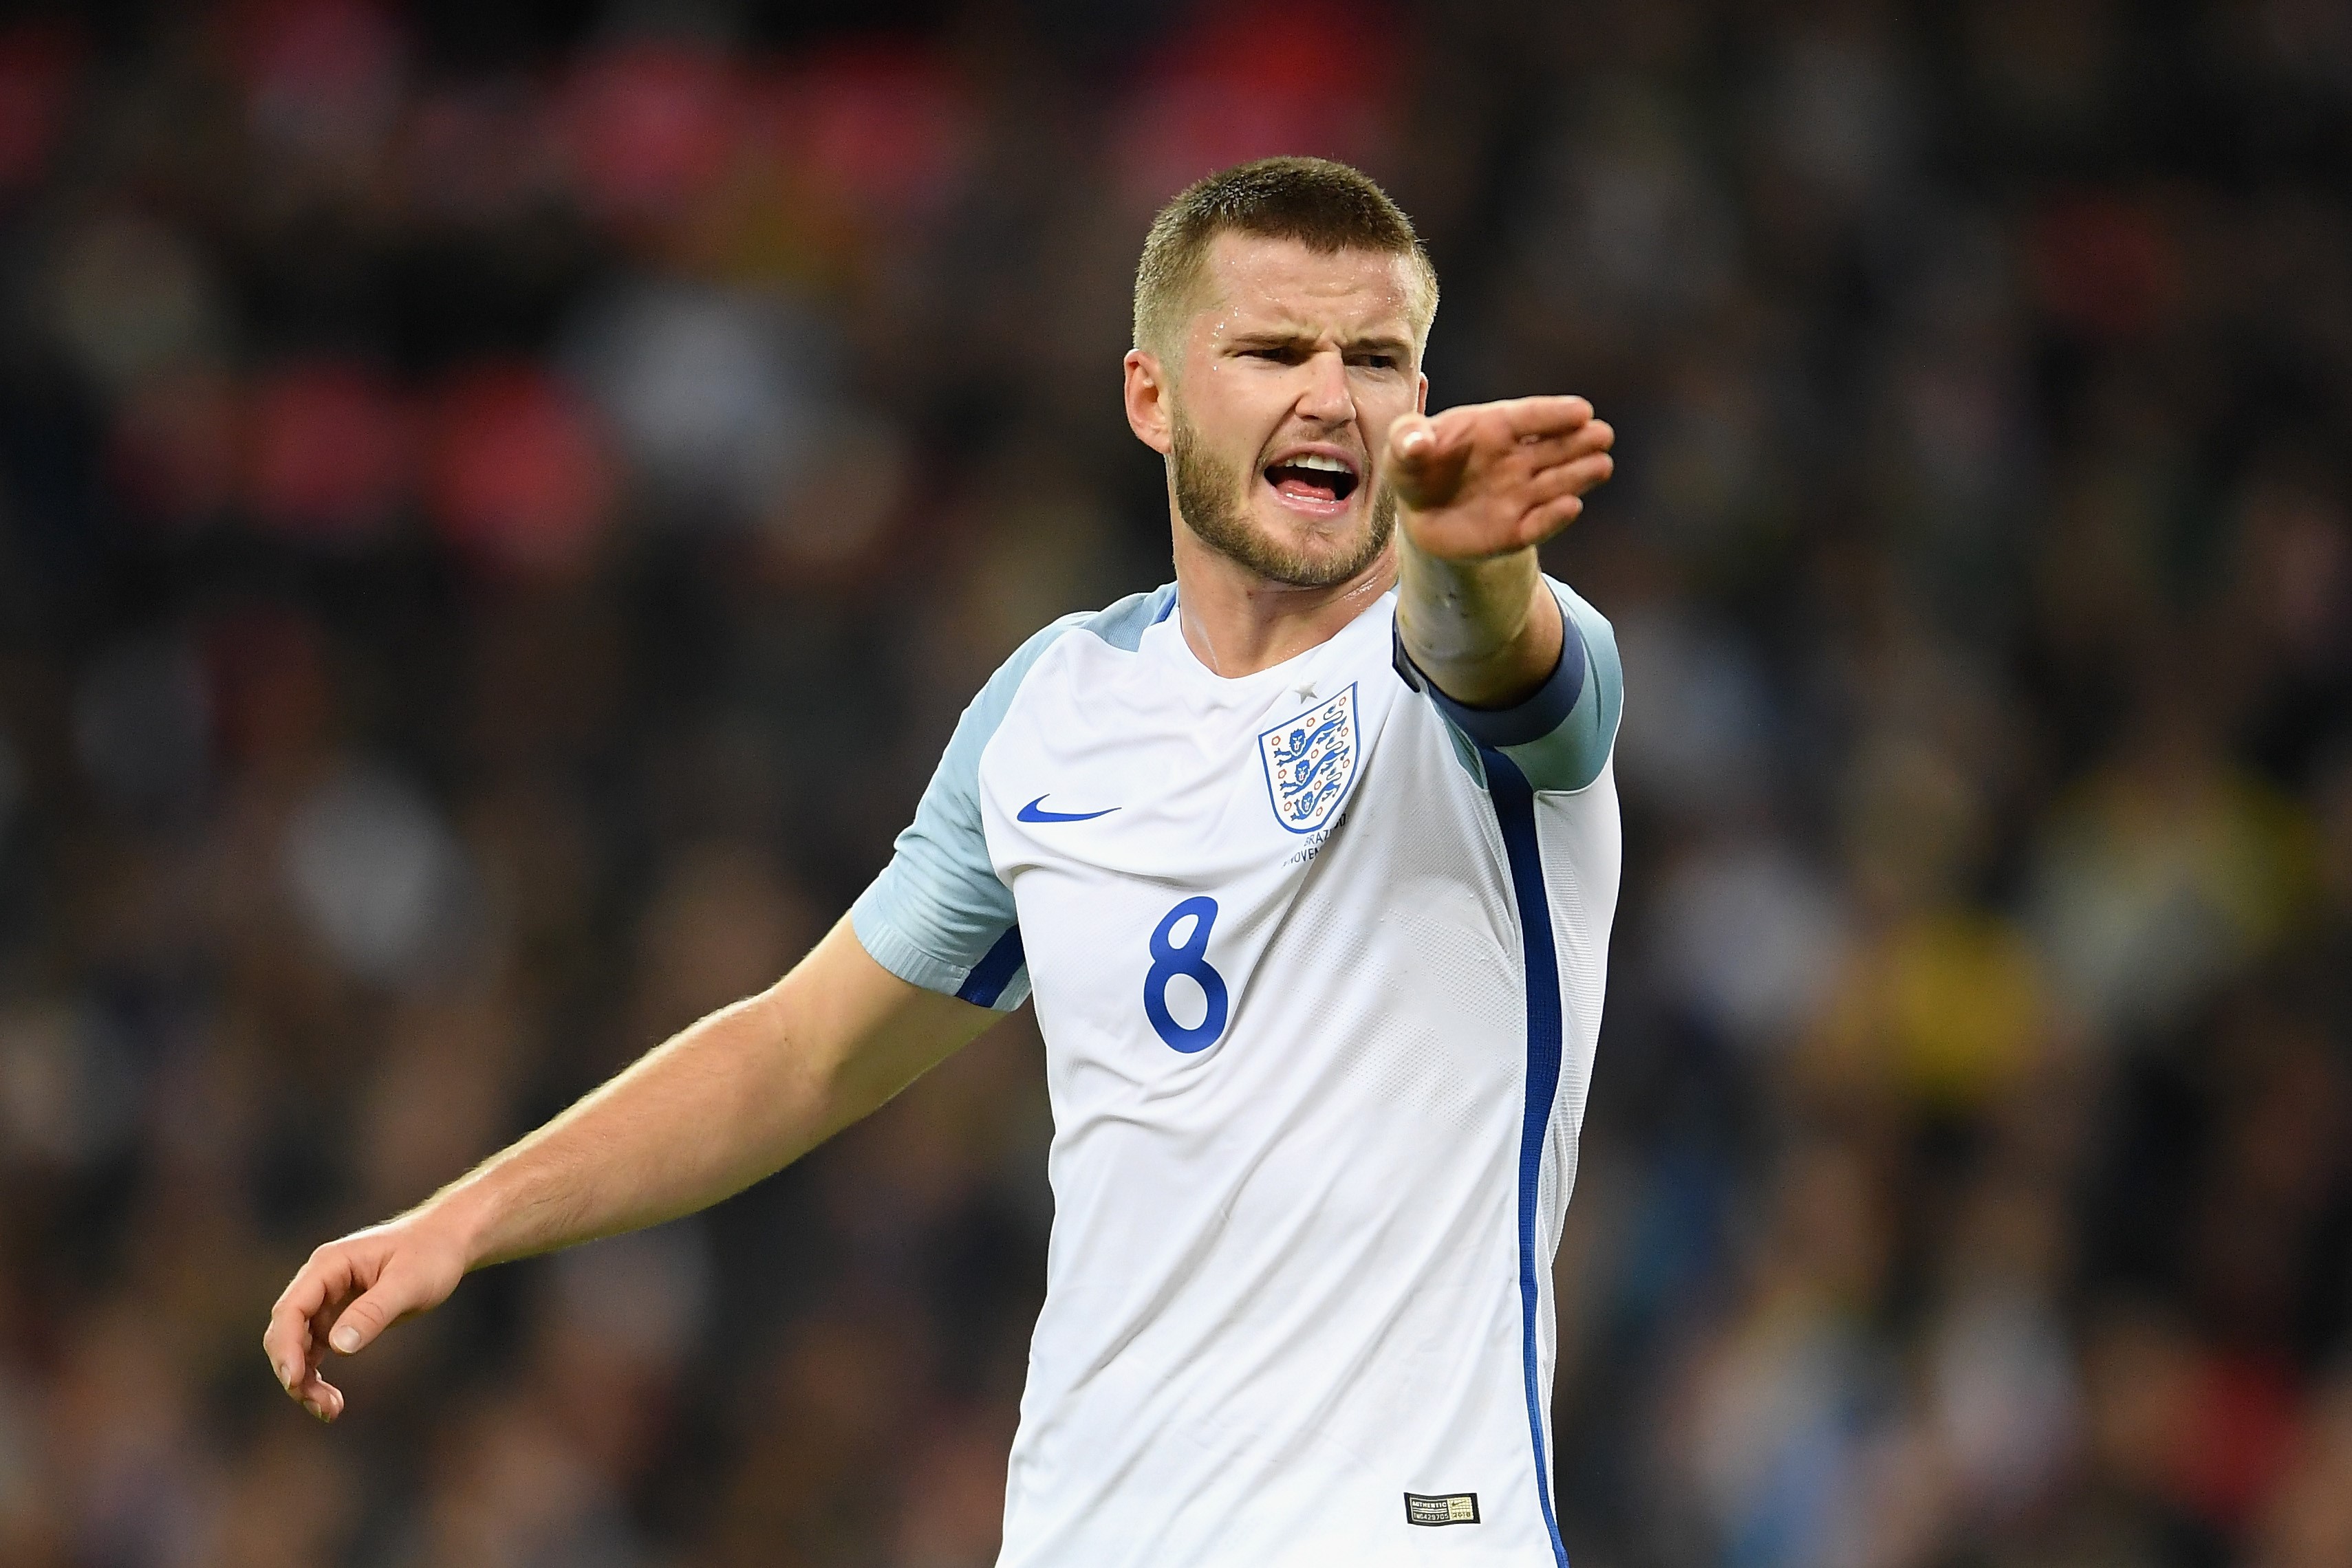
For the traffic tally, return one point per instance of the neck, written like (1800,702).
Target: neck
(1237,623)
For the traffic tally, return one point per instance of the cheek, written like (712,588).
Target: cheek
(1237,411)
(1381,406)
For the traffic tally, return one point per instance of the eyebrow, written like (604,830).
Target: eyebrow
(1283,337)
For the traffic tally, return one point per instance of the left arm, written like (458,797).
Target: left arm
(1478,489)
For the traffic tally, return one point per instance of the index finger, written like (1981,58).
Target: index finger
(286,1339)
(1538,416)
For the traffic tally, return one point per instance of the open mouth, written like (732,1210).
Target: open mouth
(1312,480)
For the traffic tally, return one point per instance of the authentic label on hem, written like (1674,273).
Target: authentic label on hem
(1451,1508)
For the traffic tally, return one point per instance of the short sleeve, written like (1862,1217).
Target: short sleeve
(938,916)
(1559,737)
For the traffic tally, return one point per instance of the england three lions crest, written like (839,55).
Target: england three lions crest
(1310,760)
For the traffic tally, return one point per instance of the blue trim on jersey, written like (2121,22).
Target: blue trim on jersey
(1514,813)
(994,971)
(1560,737)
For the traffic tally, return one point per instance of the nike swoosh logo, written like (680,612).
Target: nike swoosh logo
(1030,814)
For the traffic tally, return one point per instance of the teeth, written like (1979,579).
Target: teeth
(1316,460)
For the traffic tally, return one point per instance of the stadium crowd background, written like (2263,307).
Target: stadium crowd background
(501,506)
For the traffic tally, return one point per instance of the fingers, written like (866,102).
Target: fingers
(357,1325)
(318,1396)
(1542,452)
(1557,495)
(1513,419)
(1427,458)
(295,1350)
(1551,428)
(348,1293)
(1574,478)
(1539,416)
(1417,440)
(1508,437)
(287,1341)
(318,1309)
(294,1339)
(1489,477)
(1548,519)
(332,1327)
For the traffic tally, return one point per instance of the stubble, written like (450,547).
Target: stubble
(1211,495)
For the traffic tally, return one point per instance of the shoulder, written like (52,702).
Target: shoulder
(1119,625)
(1600,640)
(1123,624)
(1573,756)
(1591,623)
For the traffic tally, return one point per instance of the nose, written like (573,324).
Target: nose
(1326,398)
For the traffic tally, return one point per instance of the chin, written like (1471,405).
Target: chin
(1334,534)
(1309,551)
(1297,536)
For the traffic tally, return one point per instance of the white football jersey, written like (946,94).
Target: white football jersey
(1318,956)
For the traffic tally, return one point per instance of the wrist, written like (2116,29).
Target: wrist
(462,1217)
(1485,632)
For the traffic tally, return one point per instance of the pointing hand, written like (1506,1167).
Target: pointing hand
(1490,478)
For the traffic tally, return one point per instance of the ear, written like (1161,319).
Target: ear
(1421,391)
(1148,412)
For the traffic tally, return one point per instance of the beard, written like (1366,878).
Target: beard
(1212,497)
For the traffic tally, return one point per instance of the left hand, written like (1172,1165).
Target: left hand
(1491,478)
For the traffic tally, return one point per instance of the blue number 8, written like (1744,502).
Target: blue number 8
(1168,961)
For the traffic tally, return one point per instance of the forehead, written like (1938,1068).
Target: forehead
(1249,280)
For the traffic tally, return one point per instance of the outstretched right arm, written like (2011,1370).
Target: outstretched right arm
(723,1103)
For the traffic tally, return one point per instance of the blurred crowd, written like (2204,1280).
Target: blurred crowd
(501,506)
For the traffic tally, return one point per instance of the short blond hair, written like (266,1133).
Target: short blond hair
(1329,207)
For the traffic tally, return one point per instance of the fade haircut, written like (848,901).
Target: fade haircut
(1328,207)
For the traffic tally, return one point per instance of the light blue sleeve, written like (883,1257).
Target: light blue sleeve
(1560,737)
(938,917)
